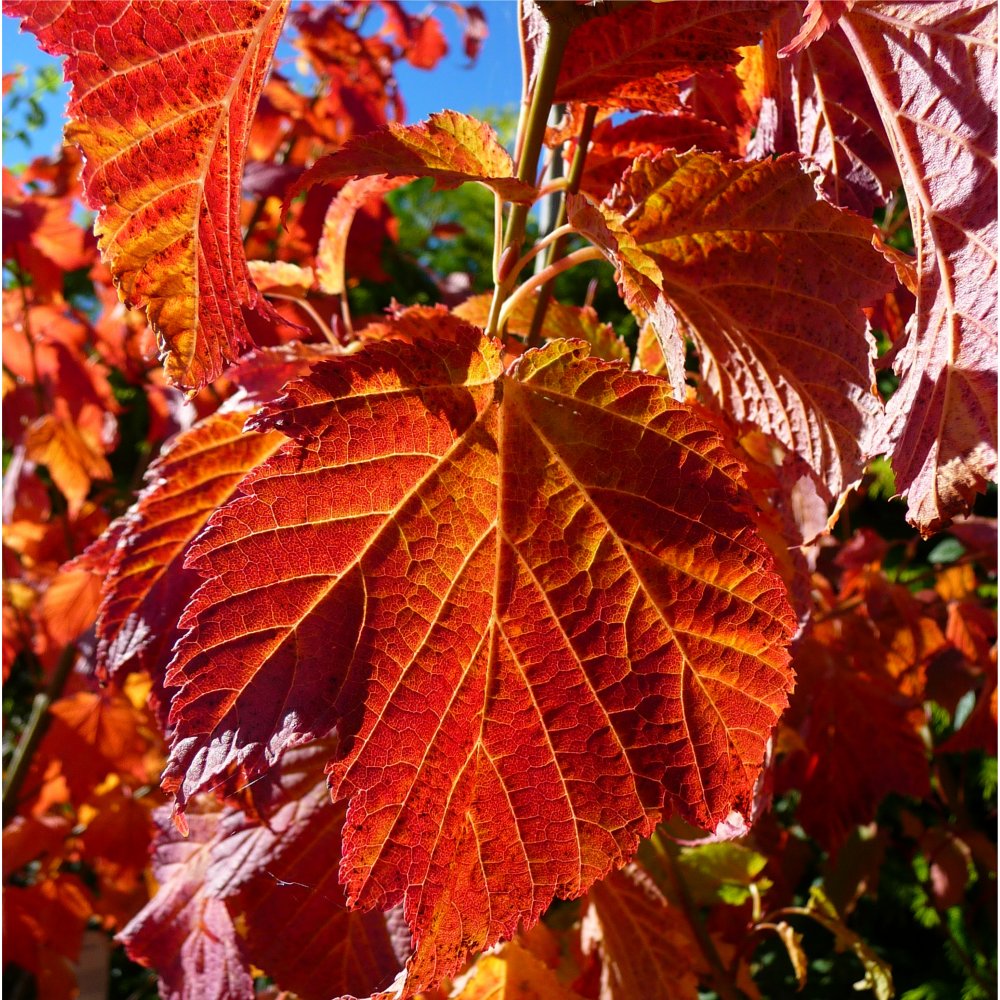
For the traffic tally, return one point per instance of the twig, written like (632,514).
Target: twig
(38,722)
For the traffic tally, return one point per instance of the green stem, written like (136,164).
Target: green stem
(527,165)
(555,251)
(38,722)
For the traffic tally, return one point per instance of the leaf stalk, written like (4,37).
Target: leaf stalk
(38,723)
(531,130)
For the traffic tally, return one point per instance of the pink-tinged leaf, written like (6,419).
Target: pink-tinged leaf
(264,875)
(932,68)
(147,587)
(818,103)
(185,931)
(636,58)
(514,588)
(279,872)
(450,147)
(163,96)
(768,279)
(332,252)
(646,947)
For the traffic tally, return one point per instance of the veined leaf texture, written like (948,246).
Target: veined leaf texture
(439,625)
(163,96)
(529,646)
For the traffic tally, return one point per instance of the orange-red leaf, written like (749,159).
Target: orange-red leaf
(146,587)
(533,602)
(332,252)
(769,279)
(161,105)
(637,57)
(450,147)
(942,420)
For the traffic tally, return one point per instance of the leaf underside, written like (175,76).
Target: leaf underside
(768,279)
(941,421)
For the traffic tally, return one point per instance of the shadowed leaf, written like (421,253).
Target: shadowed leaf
(941,426)
(768,279)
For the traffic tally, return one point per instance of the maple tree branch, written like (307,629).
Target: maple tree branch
(542,277)
(534,125)
(545,241)
(33,732)
(315,316)
(573,179)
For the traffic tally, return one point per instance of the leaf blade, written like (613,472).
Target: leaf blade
(941,425)
(464,686)
(161,108)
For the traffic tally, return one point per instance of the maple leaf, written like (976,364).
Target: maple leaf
(197,951)
(71,459)
(820,17)
(768,279)
(941,427)
(859,734)
(646,946)
(614,147)
(161,106)
(450,147)
(636,58)
(332,251)
(515,587)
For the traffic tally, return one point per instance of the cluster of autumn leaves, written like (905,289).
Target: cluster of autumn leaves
(95,597)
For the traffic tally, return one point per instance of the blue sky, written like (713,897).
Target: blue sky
(494,80)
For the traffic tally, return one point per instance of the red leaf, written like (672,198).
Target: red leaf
(637,57)
(859,734)
(161,107)
(941,427)
(819,104)
(509,610)
(146,587)
(450,147)
(768,279)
